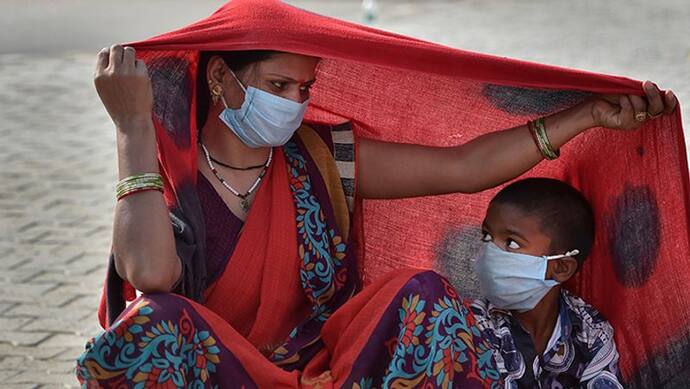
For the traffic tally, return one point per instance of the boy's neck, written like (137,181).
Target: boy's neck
(540,321)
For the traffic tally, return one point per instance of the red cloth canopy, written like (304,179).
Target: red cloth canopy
(401,89)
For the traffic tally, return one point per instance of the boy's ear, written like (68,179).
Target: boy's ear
(561,269)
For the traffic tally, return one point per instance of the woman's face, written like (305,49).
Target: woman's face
(283,74)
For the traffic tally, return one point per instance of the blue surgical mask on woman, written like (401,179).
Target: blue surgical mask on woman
(514,281)
(264,119)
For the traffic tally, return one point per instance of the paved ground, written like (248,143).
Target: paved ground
(57,161)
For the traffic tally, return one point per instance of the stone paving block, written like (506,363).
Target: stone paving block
(25,250)
(64,340)
(11,206)
(13,292)
(56,298)
(67,252)
(71,354)
(6,250)
(44,277)
(28,226)
(76,267)
(56,325)
(51,240)
(6,374)
(5,306)
(32,352)
(6,385)
(23,275)
(82,301)
(80,287)
(36,236)
(35,310)
(97,277)
(64,325)
(23,363)
(8,261)
(19,338)
(13,323)
(43,377)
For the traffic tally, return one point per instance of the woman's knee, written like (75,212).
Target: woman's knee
(163,303)
(161,306)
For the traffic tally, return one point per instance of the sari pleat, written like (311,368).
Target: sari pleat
(261,281)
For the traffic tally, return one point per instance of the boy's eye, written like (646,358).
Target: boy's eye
(486,237)
(513,244)
(305,88)
(278,84)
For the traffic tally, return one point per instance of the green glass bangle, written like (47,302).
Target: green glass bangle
(539,134)
(137,183)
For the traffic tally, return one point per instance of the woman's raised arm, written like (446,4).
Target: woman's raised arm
(143,241)
(392,170)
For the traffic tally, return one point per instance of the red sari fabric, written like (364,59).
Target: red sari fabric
(262,276)
(401,89)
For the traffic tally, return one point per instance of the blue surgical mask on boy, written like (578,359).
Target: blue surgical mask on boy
(264,119)
(513,281)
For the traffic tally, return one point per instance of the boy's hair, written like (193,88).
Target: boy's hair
(565,215)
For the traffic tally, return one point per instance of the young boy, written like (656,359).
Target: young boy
(536,235)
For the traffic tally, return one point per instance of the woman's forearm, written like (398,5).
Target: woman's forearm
(497,157)
(393,170)
(143,240)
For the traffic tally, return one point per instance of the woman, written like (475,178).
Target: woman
(276,313)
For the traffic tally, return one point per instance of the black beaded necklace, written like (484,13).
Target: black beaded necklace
(237,168)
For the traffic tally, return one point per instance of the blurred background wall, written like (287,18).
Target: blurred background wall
(637,38)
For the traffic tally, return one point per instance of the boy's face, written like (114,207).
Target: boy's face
(512,230)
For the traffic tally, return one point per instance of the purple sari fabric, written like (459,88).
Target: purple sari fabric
(222,228)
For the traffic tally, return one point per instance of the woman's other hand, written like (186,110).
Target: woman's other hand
(123,84)
(628,112)
(143,240)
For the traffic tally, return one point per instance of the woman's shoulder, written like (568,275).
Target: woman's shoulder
(339,139)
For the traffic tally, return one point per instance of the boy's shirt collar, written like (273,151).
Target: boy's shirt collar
(563,329)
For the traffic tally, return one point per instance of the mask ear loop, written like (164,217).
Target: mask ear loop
(222,98)
(239,83)
(571,253)
(238,80)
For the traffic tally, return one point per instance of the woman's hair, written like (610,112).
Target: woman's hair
(564,213)
(236,61)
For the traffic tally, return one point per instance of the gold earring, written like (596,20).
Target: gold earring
(216,93)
